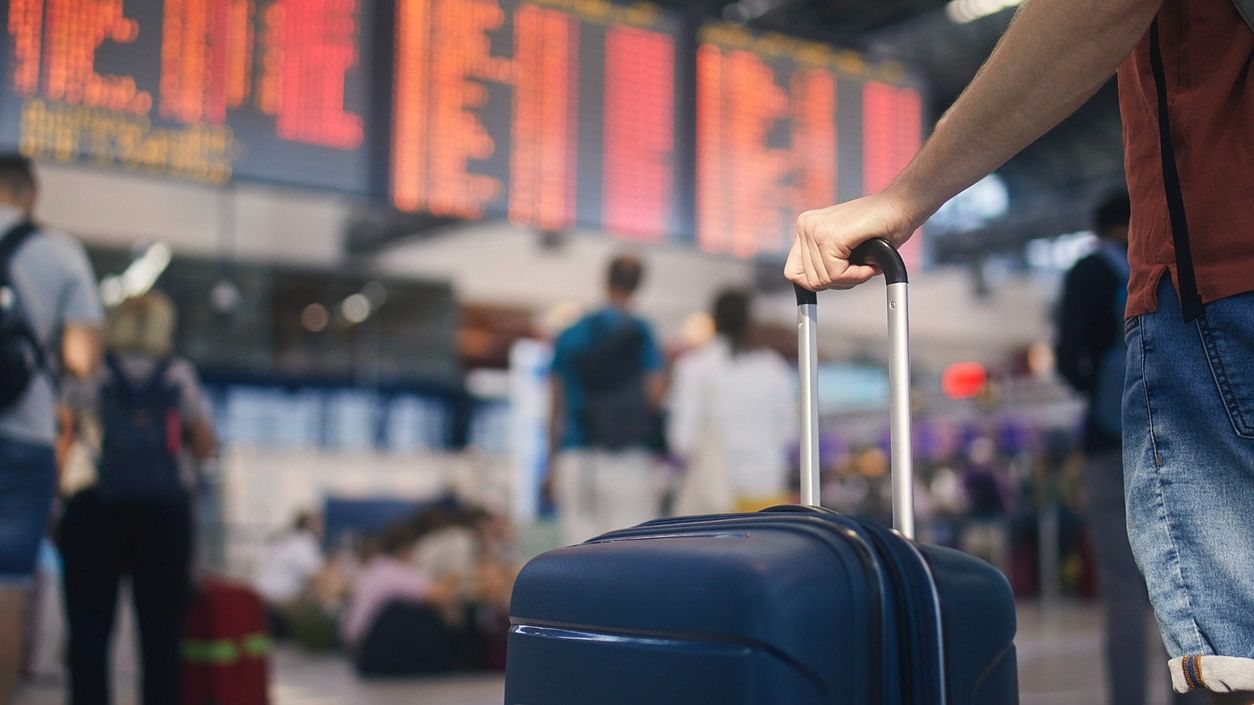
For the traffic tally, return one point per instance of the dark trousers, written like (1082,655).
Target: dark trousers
(149,542)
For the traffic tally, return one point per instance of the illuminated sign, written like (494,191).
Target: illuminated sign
(203,89)
(550,112)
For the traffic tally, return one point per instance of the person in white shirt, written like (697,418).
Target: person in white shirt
(291,561)
(733,418)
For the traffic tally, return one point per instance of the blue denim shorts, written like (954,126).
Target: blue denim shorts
(28,480)
(1188,444)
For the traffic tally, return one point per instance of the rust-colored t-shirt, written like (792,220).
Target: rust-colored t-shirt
(1208,57)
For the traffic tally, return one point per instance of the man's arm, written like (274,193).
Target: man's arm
(1055,56)
(80,349)
(67,434)
(82,316)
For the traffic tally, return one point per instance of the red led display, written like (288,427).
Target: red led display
(193,88)
(639,132)
(892,131)
(551,113)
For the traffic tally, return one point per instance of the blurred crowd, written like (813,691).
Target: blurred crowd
(428,594)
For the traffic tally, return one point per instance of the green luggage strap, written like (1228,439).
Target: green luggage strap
(221,652)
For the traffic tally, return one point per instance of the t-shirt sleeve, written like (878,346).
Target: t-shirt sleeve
(192,402)
(80,302)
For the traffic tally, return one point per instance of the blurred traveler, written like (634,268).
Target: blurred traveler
(289,564)
(733,418)
(1186,80)
(136,519)
(986,530)
(607,389)
(49,324)
(398,618)
(1092,357)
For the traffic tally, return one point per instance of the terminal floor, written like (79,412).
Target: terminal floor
(1059,657)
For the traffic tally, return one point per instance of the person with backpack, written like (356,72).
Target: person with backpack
(607,390)
(49,326)
(147,409)
(1186,93)
(1091,356)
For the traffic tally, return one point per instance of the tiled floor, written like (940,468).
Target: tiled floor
(1059,657)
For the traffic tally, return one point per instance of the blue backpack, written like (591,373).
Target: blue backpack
(1106,405)
(142,439)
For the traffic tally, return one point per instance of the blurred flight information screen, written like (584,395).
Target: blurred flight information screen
(784,126)
(273,90)
(550,112)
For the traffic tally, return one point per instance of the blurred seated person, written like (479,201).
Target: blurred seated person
(424,604)
(399,621)
(289,564)
(456,539)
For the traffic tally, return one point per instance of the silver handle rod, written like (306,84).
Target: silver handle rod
(808,352)
(899,408)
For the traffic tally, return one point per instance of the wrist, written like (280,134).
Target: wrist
(913,202)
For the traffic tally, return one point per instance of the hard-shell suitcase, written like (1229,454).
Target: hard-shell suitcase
(226,646)
(794,605)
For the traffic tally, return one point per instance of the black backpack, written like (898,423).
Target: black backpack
(143,436)
(617,413)
(21,354)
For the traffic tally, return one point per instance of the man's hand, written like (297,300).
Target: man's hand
(825,239)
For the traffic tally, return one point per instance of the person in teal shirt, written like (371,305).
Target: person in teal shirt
(607,389)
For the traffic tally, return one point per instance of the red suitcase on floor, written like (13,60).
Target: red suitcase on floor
(226,646)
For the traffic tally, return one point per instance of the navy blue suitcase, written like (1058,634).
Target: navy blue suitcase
(793,605)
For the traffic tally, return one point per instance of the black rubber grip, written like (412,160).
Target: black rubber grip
(881,254)
(804,295)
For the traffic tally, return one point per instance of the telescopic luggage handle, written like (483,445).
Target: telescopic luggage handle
(880,253)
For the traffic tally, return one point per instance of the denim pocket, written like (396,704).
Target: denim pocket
(1227,330)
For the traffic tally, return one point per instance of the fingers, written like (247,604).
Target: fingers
(819,259)
(794,270)
(856,274)
(824,270)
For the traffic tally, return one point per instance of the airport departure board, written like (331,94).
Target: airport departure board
(550,112)
(785,126)
(273,90)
